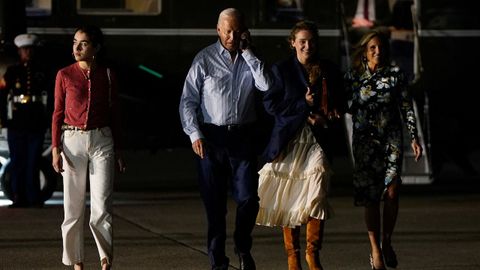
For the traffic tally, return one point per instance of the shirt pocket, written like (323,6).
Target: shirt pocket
(215,85)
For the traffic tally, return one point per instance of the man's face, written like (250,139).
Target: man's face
(25,53)
(229,31)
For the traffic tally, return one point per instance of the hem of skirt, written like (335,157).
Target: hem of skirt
(273,218)
(70,263)
(267,171)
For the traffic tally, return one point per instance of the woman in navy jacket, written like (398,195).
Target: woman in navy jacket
(305,102)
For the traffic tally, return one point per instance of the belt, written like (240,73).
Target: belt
(234,127)
(23,99)
(70,127)
(230,128)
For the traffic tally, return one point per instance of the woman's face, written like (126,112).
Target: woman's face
(374,52)
(83,49)
(305,45)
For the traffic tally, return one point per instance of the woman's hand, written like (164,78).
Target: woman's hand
(122,166)
(333,115)
(316,119)
(309,97)
(57,160)
(417,149)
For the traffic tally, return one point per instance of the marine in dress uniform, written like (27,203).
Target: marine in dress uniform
(24,114)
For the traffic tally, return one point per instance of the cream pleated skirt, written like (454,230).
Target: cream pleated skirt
(294,187)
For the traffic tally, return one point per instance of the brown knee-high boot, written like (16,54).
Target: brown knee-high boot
(291,239)
(314,243)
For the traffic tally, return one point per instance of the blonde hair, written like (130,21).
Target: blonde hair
(358,56)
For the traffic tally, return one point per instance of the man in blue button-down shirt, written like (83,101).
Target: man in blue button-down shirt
(217,110)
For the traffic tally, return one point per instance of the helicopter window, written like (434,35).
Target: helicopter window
(119,7)
(285,10)
(38,7)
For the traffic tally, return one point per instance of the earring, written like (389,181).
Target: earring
(364,59)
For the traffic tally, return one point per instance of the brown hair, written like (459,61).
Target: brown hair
(303,25)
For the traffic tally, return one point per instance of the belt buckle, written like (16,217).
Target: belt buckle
(71,128)
(233,127)
(25,99)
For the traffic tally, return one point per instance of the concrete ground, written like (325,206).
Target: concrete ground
(162,226)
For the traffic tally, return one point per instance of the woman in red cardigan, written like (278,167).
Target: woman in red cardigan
(85,132)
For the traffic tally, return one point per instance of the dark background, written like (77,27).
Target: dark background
(447,84)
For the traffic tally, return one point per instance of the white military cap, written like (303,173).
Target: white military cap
(25,40)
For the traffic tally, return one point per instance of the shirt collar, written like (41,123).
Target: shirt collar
(222,51)
(220,48)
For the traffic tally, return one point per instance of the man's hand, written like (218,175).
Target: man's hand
(198,148)
(245,40)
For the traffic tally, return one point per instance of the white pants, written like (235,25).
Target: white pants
(87,155)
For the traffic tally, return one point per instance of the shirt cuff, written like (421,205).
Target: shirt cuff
(248,55)
(195,136)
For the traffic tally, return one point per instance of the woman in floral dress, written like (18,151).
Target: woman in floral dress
(379,103)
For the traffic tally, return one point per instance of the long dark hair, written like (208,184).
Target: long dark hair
(96,37)
(359,58)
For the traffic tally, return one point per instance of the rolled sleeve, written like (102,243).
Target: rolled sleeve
(260,74)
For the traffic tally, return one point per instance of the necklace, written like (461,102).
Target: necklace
(86,75)
(85,72)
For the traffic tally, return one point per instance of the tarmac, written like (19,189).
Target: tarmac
(159,223)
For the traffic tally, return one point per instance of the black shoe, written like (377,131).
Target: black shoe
(223,266)
(246,261)
(18,205)
(37,205)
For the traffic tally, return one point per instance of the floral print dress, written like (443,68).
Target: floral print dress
(378,103)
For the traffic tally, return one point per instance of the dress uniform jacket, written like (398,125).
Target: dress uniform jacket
(25,98)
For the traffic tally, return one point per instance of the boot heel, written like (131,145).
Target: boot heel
(373,265)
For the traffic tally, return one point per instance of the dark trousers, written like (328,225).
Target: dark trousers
(25,154)
(230,158)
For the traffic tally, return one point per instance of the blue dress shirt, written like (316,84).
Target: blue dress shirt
(220,91)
